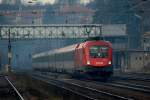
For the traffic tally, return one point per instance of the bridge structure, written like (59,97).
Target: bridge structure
(60,31)
(50,31)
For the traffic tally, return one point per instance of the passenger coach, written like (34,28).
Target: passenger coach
(90,58)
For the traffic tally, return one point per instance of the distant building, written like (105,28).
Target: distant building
(68,12)
(67,2)
(138,62)
(68,15)
(31,15)
(132,61)
(146,41)
(20,14)
(11,2)
(76,14)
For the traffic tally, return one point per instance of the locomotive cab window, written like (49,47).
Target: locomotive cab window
(99,51)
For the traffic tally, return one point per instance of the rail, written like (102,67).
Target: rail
(14,88)
(91,93)
(135,87)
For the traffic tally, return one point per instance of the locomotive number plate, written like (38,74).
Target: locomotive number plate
(99,62)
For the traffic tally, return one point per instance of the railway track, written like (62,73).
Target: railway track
(136,92)
(136,87)
(7,90)
(81,89)
(143,84)
(133,77)
(126,89)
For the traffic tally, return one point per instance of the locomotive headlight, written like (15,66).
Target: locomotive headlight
(88,62)
(109,62)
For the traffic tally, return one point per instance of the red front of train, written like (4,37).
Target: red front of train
(94,57)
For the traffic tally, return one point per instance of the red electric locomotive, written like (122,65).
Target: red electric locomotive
(94,58)
(90,58)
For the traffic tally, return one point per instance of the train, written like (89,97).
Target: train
(92,58)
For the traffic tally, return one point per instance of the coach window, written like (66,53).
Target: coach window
(140,58)
(136,58)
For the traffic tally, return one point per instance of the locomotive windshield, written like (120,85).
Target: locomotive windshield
(99,51)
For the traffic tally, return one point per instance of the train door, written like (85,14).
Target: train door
(76,62)
(80,57)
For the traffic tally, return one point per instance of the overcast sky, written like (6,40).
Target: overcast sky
(51,1)
(38,1)
(47,2)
